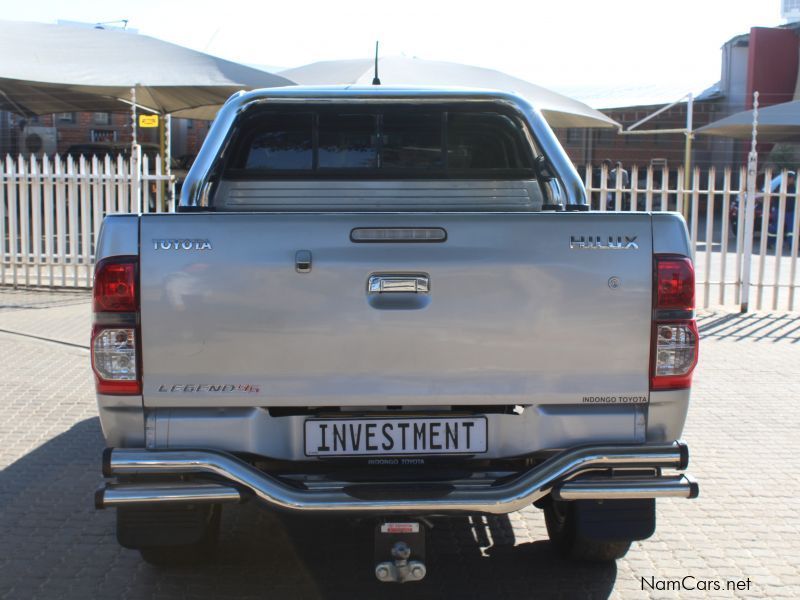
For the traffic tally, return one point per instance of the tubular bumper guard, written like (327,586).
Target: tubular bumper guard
(233,479)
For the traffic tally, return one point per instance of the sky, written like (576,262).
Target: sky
(571,46)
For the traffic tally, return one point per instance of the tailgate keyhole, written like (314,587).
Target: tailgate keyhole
(302,261)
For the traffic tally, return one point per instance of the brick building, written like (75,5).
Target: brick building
(56,133)
(763,60)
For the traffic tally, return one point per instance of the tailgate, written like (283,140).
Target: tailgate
(512,314)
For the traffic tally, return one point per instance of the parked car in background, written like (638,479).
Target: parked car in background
(774,207)
(789,207)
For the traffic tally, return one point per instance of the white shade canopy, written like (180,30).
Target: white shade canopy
(776,123)
(63,68)
(559,110)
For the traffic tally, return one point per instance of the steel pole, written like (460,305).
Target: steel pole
(135,165)
(162,135)
(170,183)
(750,211)
(687,156)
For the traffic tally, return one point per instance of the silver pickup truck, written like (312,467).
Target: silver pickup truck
(391,304)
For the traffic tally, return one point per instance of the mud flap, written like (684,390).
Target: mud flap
(615,520)
(144,527)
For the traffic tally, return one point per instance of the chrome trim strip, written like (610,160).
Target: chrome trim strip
(680,486)
(505,498)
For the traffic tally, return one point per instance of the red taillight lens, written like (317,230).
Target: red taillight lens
(115,286)
(674,283)
(115,337)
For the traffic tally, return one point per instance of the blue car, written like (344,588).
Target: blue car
(789,207)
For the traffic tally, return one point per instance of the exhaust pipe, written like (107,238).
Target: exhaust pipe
(501,499)
(680,486)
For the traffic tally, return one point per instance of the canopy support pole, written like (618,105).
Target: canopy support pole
(750,211)
(136,171)
(687,156)
(687,131)
(168,140)
(162,154)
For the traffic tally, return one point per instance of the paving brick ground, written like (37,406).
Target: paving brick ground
(743,431)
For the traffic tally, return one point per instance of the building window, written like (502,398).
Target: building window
(67,117)
(574,136)
(102,118)
(103,135)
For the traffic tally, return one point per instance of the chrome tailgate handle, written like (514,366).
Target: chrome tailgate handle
(383,284)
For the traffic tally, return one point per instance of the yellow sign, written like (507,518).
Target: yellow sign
(148,120)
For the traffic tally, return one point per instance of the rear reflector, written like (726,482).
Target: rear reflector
(115,285)
(674,283)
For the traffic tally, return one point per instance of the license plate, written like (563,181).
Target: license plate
(395,436)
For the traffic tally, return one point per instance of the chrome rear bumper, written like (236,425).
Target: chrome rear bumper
(236,479)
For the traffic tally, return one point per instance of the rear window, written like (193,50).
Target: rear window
(381,142)
(347,141)
(283,142)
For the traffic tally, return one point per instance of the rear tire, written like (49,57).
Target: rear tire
(559,517)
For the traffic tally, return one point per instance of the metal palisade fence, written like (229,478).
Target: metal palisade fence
(51,209)
(714,203)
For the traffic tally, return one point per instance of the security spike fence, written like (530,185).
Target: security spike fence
(51,209)
(712,201)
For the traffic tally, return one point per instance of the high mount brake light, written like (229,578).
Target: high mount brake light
(115,337)
(675,338)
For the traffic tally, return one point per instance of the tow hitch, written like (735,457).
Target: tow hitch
(403,544)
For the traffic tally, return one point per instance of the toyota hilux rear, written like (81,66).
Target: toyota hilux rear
(391,303)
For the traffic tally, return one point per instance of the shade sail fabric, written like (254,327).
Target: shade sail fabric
(776,123)
(559,110)
(60,68)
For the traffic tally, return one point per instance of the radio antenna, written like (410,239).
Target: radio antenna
(376,80)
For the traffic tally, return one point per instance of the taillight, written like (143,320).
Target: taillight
(675,338)
(674,283)
(674,355)
(115,334)
(115,286)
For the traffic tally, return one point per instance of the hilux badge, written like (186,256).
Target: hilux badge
(596,242)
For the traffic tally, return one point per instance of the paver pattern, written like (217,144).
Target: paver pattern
(743,431)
